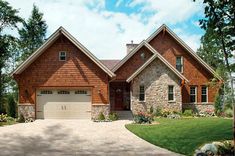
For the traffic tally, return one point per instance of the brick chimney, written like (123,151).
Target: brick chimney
(130,46)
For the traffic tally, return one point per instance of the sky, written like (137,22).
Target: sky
(105,26)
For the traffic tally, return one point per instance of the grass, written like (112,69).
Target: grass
(8,123)
(184,135)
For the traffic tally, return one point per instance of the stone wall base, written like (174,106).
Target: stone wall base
(97,109)
(199,107)
(27,110)
(137,107)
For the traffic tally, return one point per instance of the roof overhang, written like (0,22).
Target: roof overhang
(161,58)
(49,42)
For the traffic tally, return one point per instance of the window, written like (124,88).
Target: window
(63,92)
(46,92)
(80,92)
(204,94)
(62,56)
(193,94)
(142,94)
(179,63)
(170,93)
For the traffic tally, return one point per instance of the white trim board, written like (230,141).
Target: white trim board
(50,40)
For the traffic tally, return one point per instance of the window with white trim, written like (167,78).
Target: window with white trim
(170,93)
(179,63)
(63,92)
(142,93)
(62,56)
(45,92)
(204,94)
(80,92)
(193,94)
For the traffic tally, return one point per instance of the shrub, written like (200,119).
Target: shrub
(113,116)
(151,110)
(3,117)
(218,104)
(101,116)
(207,113)
(157,112)
(141,118)
(10,118)
(188,112)
(21,119)
(11,109)
(174,116)
(165,112)
(228,113)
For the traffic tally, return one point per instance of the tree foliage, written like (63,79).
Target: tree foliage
(8,19)
(220,18)
(8,16)
(210,49)
(219,23)
(12,106)
(32,34)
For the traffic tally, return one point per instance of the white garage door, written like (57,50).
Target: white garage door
(63,104)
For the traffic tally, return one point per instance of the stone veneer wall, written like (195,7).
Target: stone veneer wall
(97,109)
(156,78)
(199,107)
(27,110)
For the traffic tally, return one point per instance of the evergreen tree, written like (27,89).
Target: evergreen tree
(12,106)
(32,34)
(8,19)
(210,49)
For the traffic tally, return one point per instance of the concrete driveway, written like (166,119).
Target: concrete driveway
(72,138)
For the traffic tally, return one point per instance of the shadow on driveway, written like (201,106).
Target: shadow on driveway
(73,138)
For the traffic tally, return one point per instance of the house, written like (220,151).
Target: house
(63,79)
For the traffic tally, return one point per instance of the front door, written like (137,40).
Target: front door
(119,99)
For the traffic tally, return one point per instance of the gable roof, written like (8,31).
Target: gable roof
(51,40)
(185,46)
(161,58)
(128,56)
(110,63)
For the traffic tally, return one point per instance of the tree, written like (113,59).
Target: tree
(220,17)
(8,19)
(11,108)
(32,34)
(210,49)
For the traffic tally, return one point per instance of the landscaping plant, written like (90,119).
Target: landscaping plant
(142,117)
(113,116)
(188,112)
(3,117)
(11,109)
(21,118)
(101,116)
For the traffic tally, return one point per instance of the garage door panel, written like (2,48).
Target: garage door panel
(64,106)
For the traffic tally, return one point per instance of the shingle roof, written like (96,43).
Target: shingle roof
(110,63)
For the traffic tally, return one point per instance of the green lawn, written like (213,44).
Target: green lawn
(7,123)
(184,135)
